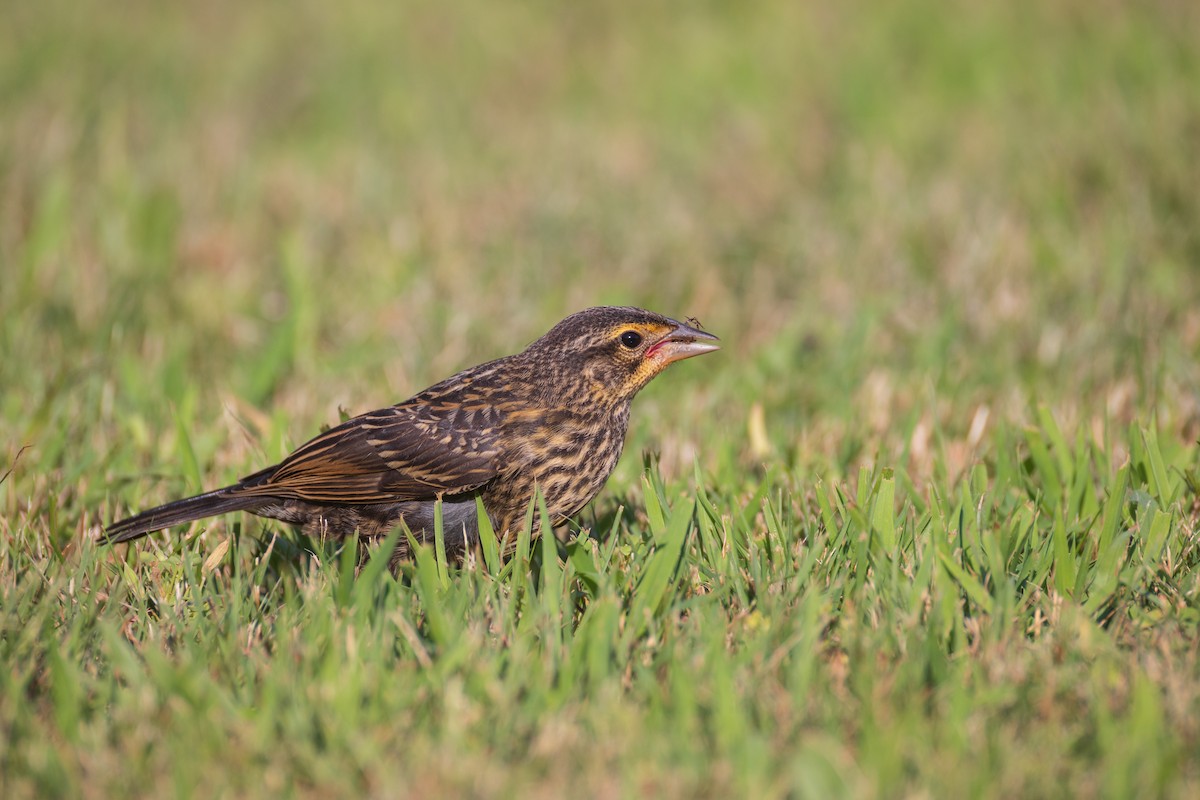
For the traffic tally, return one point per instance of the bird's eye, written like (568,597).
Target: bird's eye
(631,339)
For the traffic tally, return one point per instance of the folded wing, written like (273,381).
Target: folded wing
(405,452)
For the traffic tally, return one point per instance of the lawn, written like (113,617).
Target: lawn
(926,526)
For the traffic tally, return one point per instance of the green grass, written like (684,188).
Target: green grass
(926,526)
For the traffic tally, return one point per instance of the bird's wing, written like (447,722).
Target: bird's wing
(405,452)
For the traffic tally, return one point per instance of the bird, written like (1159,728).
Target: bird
(551,419)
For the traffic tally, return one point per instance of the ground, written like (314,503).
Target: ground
(926,526)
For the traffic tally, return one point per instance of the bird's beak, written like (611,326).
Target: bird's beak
(683,342)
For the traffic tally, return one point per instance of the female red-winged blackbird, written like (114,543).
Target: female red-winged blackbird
(552,417)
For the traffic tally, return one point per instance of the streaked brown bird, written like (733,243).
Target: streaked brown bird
(553,416)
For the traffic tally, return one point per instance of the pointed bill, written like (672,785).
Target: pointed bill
(683,342)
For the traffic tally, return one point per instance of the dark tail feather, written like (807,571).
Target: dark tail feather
(209,504)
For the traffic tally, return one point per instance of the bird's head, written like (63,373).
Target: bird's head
(615,351)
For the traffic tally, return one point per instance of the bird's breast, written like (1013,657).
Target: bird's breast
(568,457)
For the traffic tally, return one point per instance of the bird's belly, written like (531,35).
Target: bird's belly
(373,521)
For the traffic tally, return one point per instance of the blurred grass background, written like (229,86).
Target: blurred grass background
(922,229)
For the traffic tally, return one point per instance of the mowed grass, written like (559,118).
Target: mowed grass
(926,526)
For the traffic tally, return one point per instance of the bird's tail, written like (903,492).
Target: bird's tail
(218,501)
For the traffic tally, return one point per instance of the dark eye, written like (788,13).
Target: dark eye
(631,339)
